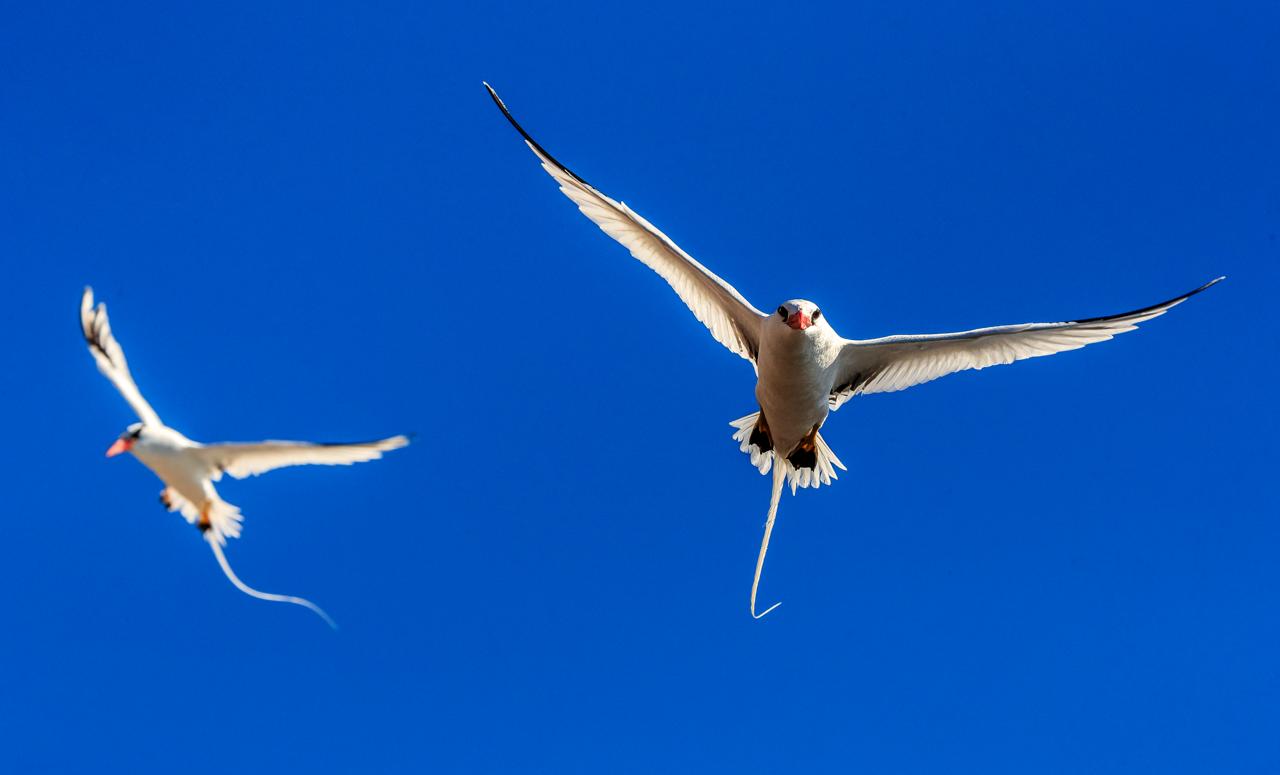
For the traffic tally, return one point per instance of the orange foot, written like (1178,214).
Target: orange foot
(805,455)
(204,523)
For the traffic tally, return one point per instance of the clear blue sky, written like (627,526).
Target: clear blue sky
(312,223)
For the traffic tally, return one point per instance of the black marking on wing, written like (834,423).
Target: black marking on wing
(371,443)
(852,387)
(860,379)
(1153,307)
(90,330)
(528,138)
(751,347)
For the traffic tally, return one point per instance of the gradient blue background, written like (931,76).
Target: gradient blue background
(311,222)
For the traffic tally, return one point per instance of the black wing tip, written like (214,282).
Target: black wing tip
(537,147)
(1161,305)
(493,94)
(1201,289)
(407,437)
(1208,285)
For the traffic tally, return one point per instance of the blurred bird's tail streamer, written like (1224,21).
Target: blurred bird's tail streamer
(251,592)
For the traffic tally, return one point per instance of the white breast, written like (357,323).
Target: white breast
(166,453)
(795,376)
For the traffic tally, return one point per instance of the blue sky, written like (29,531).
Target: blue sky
(310,222)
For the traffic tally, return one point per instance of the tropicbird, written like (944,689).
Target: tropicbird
(189,468)
(804,369)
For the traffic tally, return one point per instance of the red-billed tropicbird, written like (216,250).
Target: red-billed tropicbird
(804,369)
(189,468)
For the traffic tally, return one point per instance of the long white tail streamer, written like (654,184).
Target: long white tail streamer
(779,477)
(251,592)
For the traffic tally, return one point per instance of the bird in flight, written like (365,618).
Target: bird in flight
(804,369)
(189,468)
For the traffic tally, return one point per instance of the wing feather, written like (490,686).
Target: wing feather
(730,318)
(242,460)
(109,356)
(898,362)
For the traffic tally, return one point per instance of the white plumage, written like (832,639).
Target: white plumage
(804,368)
(894,363)
(189,468)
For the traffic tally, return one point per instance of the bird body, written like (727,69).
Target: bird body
(170,456)
(167,453)
(189,469)
(804,368)
(795,371)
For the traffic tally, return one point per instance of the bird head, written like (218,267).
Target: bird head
(126,440)
(799,314)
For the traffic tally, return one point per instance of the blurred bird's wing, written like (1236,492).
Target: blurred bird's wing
(110,357)
(241,460)
(717,305)
(898,362)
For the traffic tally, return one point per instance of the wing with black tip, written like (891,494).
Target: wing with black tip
(899,362)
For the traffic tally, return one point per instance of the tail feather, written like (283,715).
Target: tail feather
(216,545)
(779,476)
(224,518)
(224,521)
(823,472)
(759,458)
(784,472)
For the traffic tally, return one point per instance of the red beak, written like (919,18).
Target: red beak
(799,321)
(121,445)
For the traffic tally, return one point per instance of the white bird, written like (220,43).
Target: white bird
(804,369)
(189,468)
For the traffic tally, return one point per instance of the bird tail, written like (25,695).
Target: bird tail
(224,520)
(812,470)
(779,476)
(216,545)
(219,520)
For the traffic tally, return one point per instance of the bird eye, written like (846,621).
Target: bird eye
(817,313)
(782,311)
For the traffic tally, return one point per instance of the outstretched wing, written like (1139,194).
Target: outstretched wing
(716,304)
(110,357)
(241,460)
(899,362)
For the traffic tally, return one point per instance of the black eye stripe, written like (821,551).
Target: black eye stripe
(817,313)
(782,311)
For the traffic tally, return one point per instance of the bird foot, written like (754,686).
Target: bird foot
(805,455)
(760,436)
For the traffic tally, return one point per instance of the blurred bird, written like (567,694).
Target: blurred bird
(804,369)
(189,468)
